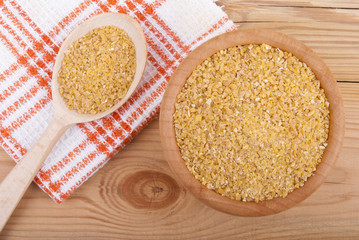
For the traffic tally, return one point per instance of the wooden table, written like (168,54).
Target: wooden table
(136,197)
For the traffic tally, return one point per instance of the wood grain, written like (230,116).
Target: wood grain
(99,209)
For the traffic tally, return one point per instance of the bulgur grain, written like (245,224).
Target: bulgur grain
(97,70)
(252,122)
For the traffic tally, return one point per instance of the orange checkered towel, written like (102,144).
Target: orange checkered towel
(31,33)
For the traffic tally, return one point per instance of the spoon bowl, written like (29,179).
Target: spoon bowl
(17,181)
(134,31)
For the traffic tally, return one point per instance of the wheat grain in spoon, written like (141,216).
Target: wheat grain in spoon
(17,181)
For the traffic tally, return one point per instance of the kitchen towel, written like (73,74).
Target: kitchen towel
(31,33)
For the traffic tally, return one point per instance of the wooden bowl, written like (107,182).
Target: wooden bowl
(242,37)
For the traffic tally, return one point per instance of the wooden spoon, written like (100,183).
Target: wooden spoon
(17,181)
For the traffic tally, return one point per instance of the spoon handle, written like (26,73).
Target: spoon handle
(18,180)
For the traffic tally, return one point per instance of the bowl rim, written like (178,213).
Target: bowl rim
(242,37)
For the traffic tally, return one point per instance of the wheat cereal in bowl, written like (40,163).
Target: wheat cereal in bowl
(252,122)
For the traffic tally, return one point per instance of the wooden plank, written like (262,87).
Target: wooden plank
(101,209)
(330,4)
(161,209)
(330,28)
